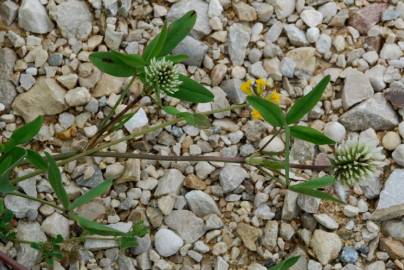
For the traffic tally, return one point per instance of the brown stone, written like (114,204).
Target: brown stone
(393,247)
(363,19)
(193,182)
(248,235)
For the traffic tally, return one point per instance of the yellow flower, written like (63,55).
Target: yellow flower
(274,97)
(260,85)
(246,87)
(256,115)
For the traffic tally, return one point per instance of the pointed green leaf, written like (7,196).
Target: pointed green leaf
(25,133)
(195,119)
(139,229)
(286,264)
(271,112)
(11,159)
(306,103)
(97,228)
(127,242)
(37,160)
(132,60)
(177,31)
(154,48)
(109,63)
(92,194)
(311,187)
(171,110)
(55,180)
(192,91)
(310,134)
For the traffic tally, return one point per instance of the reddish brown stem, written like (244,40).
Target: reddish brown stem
(11,262)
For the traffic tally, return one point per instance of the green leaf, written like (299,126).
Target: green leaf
(55,180)
(25,133)
(192,91)
(133,60)
(311,187)
(286,264)
(37,160)
(271,112)
(5,185)
(306,103)
(110,63)
(171,110)
(97,228)
(91,194)
(127,242)
(139,229)
(11,159)
(310,134)
(155,47)
(176,58)
(176,32)
(195,119)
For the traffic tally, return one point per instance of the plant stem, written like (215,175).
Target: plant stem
(287,153)
(22,195)
(11,262)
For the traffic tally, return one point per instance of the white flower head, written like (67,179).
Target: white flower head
(357,160)
(162,75)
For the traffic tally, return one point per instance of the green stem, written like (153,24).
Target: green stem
(22,195)
(287,153)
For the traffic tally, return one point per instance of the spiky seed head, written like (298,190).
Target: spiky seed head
(162,75)
(356,161)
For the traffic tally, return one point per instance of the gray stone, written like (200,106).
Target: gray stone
(390,51)
(21,207)
(326,246)
(8,11)
(274,32)
(143,246)
(287,67)
(231,177)
(74,19)
(221,264)
(7,63)
(55,59)
(195,49)
(376,77)
(394,228)
(27,255)
(186,224)
(245,12)
(138,120)
(26,81)
(33,17)
(296,36)
(56,224)
(93,181)
(170,183)
(289,209)
(326,221)
(323,44)
(77,96)
(46,97)
(305,61)
(311,17)
(308,204)
(375,113)
(398,155)
(284,8)
(232,89)
(357,88)
(113,38)
(391,200)
(349,255)
(201,204)
(7,93)
(239,37)
(201,27)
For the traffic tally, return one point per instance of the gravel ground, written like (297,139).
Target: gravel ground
(211,215)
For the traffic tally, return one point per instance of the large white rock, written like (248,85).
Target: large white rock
(195,49)
(357,88)
(311,17)
(201,203)
(56,224)
(46,97)
(231,177)
(326,246)
(167,242)
(138,120)
(239,37)
(284,8)
(32,16)
(73,18)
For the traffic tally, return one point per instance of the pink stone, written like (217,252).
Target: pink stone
(363,19)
